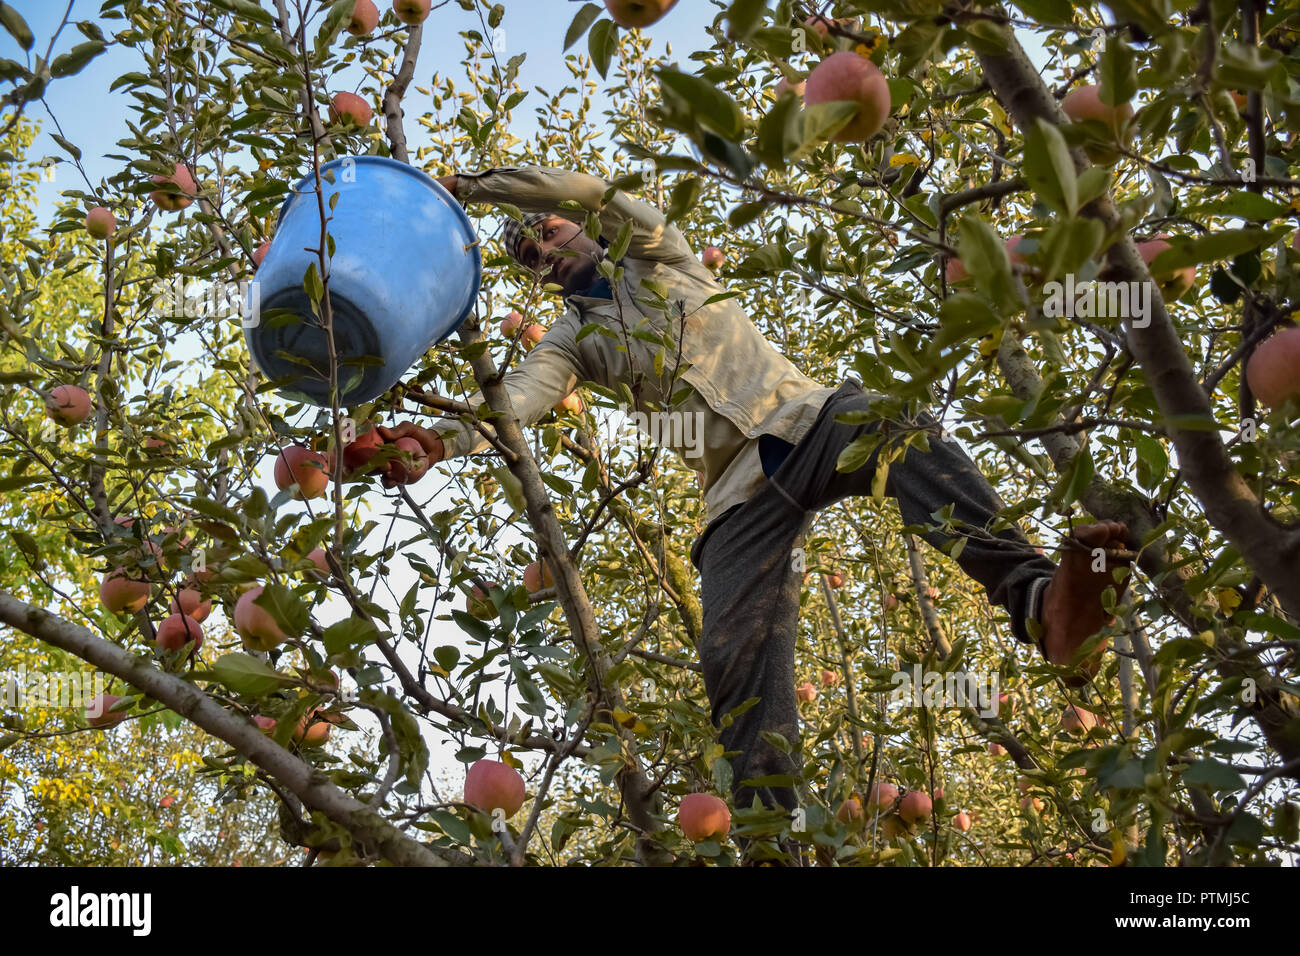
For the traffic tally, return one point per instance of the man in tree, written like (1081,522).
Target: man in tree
(767,458)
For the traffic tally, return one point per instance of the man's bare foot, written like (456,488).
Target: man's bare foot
(1072,610)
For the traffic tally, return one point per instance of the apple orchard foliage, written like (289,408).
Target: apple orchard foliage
(837,250)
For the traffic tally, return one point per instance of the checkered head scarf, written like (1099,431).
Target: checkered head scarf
(514,232)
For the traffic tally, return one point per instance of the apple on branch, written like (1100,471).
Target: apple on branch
(255,625)
(702,816)
(350,109)
(363,19)
(492,785)
(182,193)
(634,14)
(849,76)
(1271,372)
(68,404)
(100,223)
(411,12)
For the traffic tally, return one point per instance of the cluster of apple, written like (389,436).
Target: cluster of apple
(307,472)
(897,815)
(528,333)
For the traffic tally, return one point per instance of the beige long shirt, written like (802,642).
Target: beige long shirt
(730,383)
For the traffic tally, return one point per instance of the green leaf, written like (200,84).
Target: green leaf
(1049,168)
(312,285)
(581,20)
(1213,775)
(1210,248)
(73,151)
(711,107)
(1118,72)
(16,26)
(447,657)
(743,18)
(71,62)
(350,632)
(1244,205)
(245,674)
(601,43)
(288,610)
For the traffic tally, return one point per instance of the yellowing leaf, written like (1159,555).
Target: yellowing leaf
(904,159)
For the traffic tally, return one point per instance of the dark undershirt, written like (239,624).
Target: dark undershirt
(772,451)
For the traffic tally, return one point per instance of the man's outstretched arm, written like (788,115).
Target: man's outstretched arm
(545,377)
(543,188)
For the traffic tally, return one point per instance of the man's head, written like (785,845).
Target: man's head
(561,249)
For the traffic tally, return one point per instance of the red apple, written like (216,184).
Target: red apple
(407,473)
(806,692)
(190,601)
(1083,104)
(1011,246)
(532,332)
(411,12)
(100,223)
(537,576)
(572,403)
(882,797)
(850,811)
(836,580)
(1272,370)
(713,258)
(702,816)
(256,626)
(118,593)
(491,785)
(1076,719)
(632,14)
(480,604)
(1027,802)
(850,76)
(177,631)
(365,17)
(829,678)
(996,750)
(260,253)
(351,109)
(166,801)
(99,712)
(915,806)
(961,822)
(68,404)
(891,602)
(1173,285)
(313,733)
(954,271)
(317,557)
(1024,784)
(186,189)
(265,724)
(357,453)
(308,469)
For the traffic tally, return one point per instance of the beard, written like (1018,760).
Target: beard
(579,273)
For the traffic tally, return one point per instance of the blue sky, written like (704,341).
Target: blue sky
(94,119)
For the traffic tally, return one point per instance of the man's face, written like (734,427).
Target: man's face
(563,254)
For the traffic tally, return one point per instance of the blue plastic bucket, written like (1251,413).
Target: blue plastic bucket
(404,276)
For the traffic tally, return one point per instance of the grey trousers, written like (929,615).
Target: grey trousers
(750,588)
